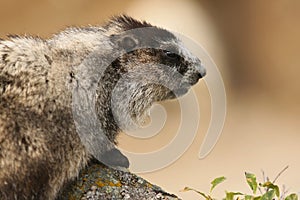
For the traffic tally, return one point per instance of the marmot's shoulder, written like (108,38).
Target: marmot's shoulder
(21,52)
(79,41)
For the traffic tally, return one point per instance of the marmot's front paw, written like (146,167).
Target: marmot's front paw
(114,158)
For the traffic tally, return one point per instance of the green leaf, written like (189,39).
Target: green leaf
(251,180)
(216,182)
(231,195)
(201,193)
(268,195)
(250,197)
(270,185)
(292,197)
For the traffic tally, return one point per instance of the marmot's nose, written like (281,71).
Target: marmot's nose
(202,71)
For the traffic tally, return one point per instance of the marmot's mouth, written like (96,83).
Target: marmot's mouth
(177,93)
(181,91)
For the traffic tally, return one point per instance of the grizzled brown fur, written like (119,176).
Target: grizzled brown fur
(40,149)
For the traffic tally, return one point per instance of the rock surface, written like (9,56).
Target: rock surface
(99,182)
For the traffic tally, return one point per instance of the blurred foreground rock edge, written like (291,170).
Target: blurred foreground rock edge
(99,182)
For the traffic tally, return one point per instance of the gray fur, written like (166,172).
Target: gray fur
(43,81)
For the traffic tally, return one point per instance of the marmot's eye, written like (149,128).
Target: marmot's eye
(171,55)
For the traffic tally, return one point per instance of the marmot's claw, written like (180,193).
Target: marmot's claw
(114,158)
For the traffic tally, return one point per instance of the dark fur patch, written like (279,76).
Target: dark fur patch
(72,76)
(4,81)
(154,55)
(4,58)
(12,36)
(49,60)
(129,23)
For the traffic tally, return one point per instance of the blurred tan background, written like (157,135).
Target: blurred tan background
(256,46)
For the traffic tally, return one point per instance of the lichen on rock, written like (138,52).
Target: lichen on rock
(97,182)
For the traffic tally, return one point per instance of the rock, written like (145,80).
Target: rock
(97,181)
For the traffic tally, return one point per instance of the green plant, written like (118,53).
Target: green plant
(268,190)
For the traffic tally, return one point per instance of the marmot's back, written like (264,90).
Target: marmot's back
(39,147)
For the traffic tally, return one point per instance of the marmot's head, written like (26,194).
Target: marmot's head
(154,65)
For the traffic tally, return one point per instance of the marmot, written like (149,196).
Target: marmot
(40,148)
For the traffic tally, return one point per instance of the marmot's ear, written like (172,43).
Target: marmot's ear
(128,42)
(125,42)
